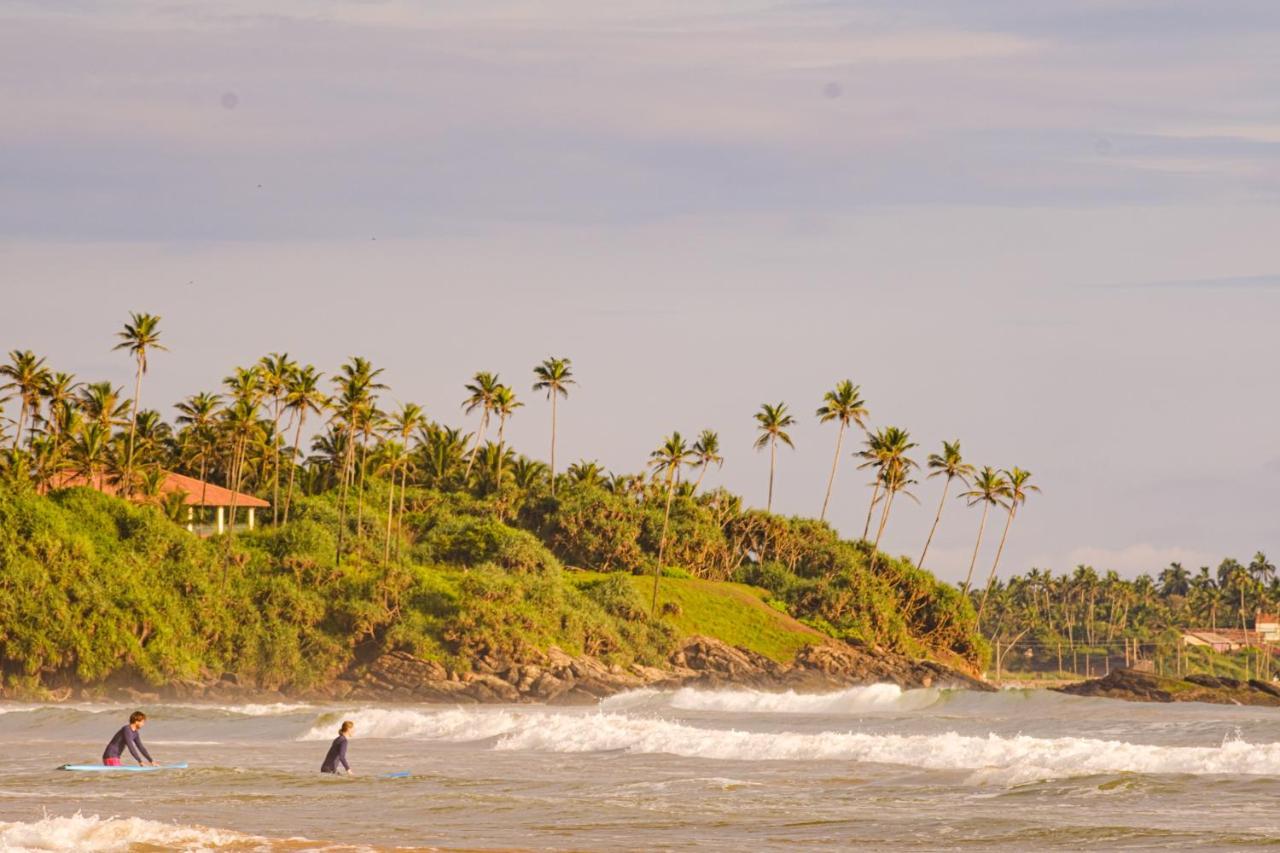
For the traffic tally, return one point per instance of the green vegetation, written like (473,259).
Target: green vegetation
(398,532)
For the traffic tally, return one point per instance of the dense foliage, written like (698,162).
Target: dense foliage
(399,532)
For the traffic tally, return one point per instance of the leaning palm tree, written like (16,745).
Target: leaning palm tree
(554,376)
(27,376)
(947,464)
(504,405)
(844,405)
(667,461)
(772,422)
(483,387)
(990,488)
(140,335)
(1018,490)
(706,452)
(302,397)
(59,395)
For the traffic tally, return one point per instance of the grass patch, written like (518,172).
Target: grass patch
(732,612)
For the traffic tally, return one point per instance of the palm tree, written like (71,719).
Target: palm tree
(59,395)
(772,422)
(1018,491)
(302,396)
(28,376)
(887,452)
(667,461)
(845,406)
(140,334)
(404,423)
(483,388)
(554,376)
(505,404)
(354,410)
(392,459)
(947,464)
(102,404)
(1175,580)
(198,413)
(990,488)
(89,452)
(276,371)
(586,471)
(706,452)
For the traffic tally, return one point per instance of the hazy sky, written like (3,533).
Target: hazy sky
(1047,229)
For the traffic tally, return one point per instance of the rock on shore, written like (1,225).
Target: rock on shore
(1134,686)
(557,678)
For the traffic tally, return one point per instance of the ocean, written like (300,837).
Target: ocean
(868,768)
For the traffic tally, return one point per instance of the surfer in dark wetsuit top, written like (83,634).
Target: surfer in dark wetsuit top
(128,737)
(338,751)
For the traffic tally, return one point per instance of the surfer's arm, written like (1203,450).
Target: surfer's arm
(135,744)
(342,756)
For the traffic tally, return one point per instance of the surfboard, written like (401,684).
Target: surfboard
(399,774)
(125,768)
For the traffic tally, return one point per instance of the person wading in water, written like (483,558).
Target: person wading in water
(128,737)
(338,751)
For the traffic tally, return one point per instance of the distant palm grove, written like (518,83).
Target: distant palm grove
(356,491)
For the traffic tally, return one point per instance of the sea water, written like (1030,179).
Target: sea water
(870,768)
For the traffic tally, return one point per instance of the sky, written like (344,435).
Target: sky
(1045,229)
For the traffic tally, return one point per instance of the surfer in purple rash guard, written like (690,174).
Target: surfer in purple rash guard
(338,751)
(128,737)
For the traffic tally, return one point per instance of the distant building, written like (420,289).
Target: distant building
(1213,640)
(1267,626)
(195,494)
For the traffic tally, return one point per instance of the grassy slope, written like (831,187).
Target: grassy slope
(732,612)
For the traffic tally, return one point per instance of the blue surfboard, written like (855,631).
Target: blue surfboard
(121,768)
(399,774)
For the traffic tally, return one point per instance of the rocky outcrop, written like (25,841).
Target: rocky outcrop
(557,678)
(1134,686)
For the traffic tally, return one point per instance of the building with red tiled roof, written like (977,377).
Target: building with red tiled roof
(195,493)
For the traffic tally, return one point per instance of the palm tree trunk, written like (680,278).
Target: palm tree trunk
(999,550)
(831,480)
(22,418)
(773,456)
(875,495)
(662,543)
(701,474)
(976,545)
(133,428)
(275,476)
(553,442)
(945,486)
(348,457)
(502,428)
(404,482)
(364,463)
(391,497)
(475,447)
(884,520)
(293,463)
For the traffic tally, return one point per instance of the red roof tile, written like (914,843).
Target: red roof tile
(214,495)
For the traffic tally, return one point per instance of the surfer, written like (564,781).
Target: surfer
(338,751)
(128,737)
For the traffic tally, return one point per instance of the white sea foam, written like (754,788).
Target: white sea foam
(456,724)
(93,833)
(992,757)
(853,700)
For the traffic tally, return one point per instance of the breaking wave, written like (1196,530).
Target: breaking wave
(93,833)
(1007,759)
(853,700)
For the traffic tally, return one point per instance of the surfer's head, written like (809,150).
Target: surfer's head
(137,719)
(346,728)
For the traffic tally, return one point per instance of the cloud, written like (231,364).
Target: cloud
(1239,282)
(1133,560)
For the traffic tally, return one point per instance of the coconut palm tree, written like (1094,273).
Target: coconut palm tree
(505,405)
(354,409)
(706,452)
(89,452)
(409,420)
(443,450)
(302,397)
(277,369)
(586,471)
(483,388)
(666,462)
(1019,488)
(139,336)
(947,464)
(198,413)
(1175,580)
(887,452)
(59,396)
(772,422)
(27,376)
(392,458)
(844,405)
(554,376)
(990,488)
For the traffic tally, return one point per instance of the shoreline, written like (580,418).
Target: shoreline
(556,678)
